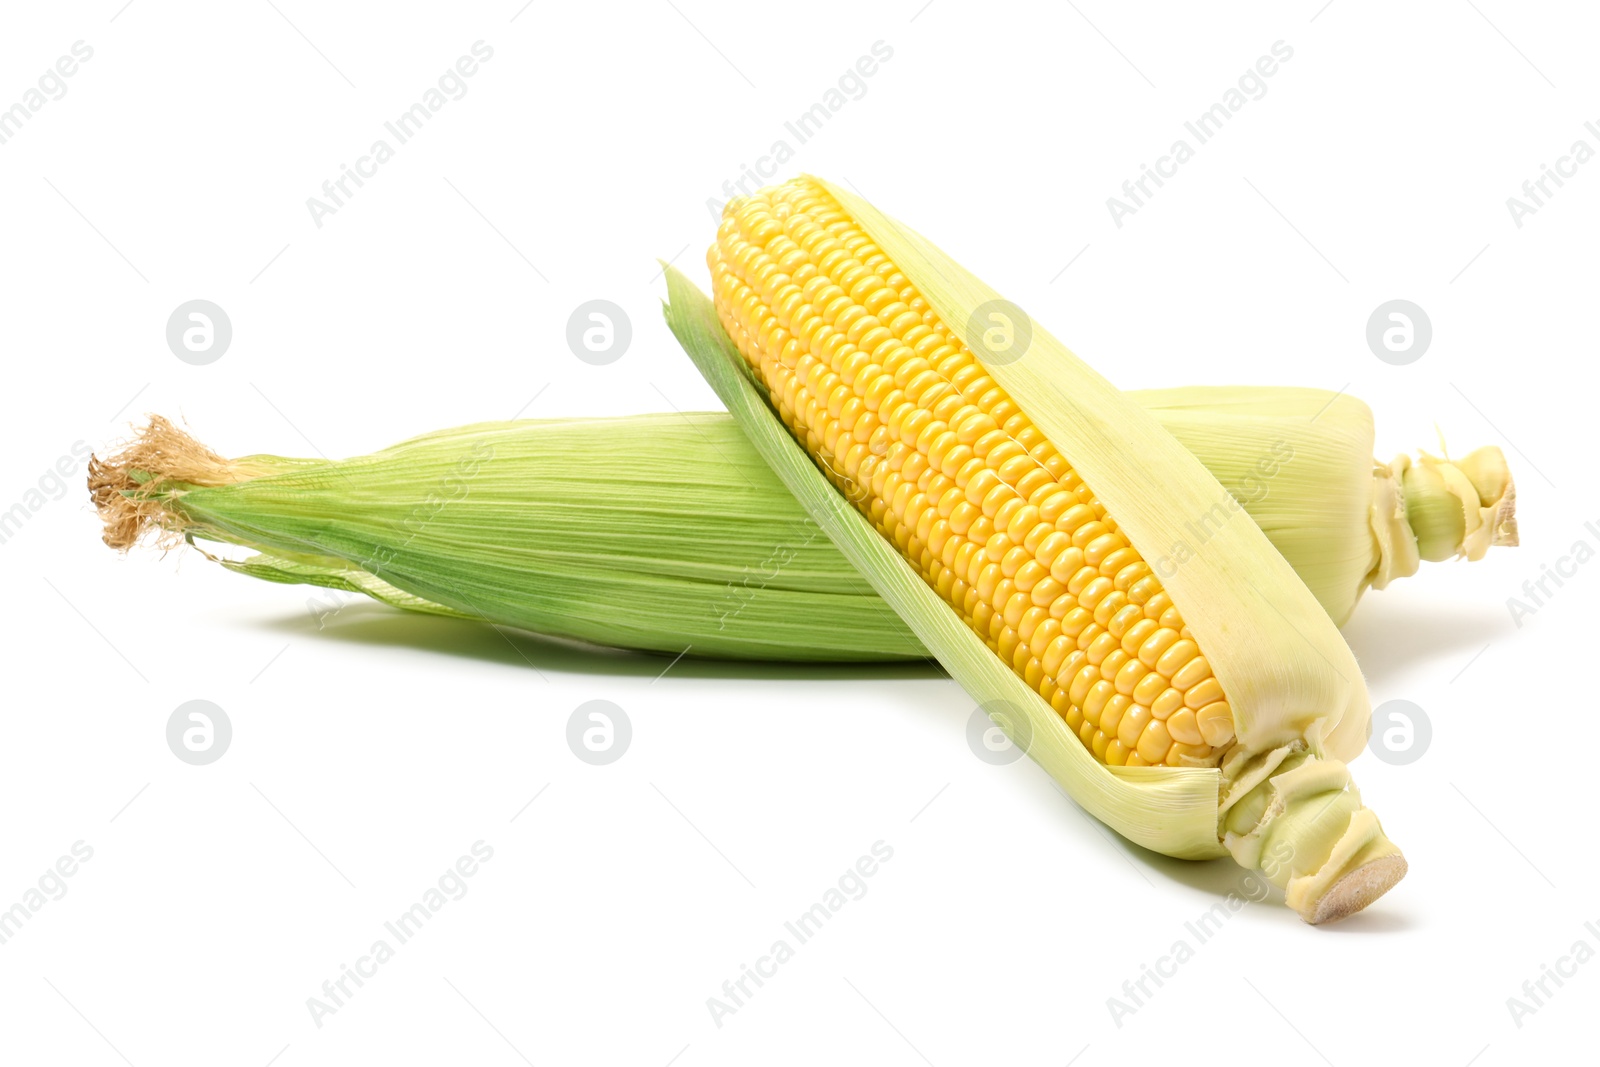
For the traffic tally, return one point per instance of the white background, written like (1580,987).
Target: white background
(368,756)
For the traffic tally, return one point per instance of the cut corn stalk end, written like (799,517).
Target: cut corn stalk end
(1297,817)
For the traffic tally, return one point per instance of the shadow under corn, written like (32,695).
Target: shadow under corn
(376,625)
(1222,882)
(1391,636)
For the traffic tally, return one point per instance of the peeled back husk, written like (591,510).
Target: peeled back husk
(1282,801)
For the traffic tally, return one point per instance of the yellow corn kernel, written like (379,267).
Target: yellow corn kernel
(869,379)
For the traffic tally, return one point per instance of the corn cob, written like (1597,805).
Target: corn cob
(1205,664)
(667,532)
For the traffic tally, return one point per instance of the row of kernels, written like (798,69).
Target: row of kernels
(1013,462)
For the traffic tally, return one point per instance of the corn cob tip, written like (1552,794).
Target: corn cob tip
(130,486)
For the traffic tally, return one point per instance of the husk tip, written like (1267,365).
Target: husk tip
(130,487)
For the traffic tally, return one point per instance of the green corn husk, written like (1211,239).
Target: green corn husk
(669,533)
(590,529)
